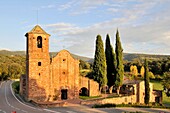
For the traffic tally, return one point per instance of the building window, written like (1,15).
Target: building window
(64,73)
(39,63)
(64,60)
(39,42)
(39,74)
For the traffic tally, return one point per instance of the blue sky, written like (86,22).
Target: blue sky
(144,25)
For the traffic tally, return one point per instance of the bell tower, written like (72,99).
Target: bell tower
(37,64)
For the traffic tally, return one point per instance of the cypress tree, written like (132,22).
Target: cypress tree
(146,79)
(119,59)
(99,65)
(111,62)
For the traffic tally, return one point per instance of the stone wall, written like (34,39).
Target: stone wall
(22,85)
(138,96)
(91,85)
(116,100)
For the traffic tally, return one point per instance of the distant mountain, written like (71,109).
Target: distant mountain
(127,56)
(6,52)
(131,56)
(22,53)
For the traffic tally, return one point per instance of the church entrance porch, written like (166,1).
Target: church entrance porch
(64,94)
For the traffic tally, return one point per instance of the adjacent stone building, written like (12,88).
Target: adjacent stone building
(50,79)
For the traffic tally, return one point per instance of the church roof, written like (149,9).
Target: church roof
(38,30)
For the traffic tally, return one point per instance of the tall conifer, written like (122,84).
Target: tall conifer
(146,79)
(119,59)
(99,65)
(111,62)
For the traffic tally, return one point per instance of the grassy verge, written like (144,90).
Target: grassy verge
(87,97)
(166,99)
(157,85)
(15,86)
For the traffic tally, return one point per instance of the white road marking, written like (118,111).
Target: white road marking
(51,111)
(28,105)
(71,112)
(17,108)
(8,101)
(24,111)
(3,111)
(6,97)
(19,100)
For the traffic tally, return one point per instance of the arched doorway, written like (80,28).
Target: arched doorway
(64,94)
(84,91)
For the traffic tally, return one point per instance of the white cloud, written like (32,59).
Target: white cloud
(144,28)
(146,38)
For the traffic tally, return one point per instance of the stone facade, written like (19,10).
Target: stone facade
(49,79)
(88,87)
(64,76)
(37,65)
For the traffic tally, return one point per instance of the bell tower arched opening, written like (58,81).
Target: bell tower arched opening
(39,42)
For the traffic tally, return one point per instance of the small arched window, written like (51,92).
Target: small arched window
(39,42)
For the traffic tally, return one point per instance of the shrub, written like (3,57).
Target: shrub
(15,86)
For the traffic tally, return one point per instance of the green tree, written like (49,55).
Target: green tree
(84,65)
(99,65)
(4,71)
(119,59)
(111,62)
(14,70)
(166,83)
(146,79)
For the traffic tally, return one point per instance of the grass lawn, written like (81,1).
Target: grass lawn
(87,97)
(158,86)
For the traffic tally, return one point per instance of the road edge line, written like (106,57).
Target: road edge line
(18,99)
(26,104)
(51,111)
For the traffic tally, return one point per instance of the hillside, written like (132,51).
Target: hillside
(127,56)
(22,53)
(6,52)
(131,56)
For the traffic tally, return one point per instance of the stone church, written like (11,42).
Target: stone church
(51,79)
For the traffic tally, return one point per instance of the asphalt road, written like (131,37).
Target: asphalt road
(9,103)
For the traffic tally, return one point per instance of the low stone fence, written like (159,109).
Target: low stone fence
(50,104)
(114,100)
